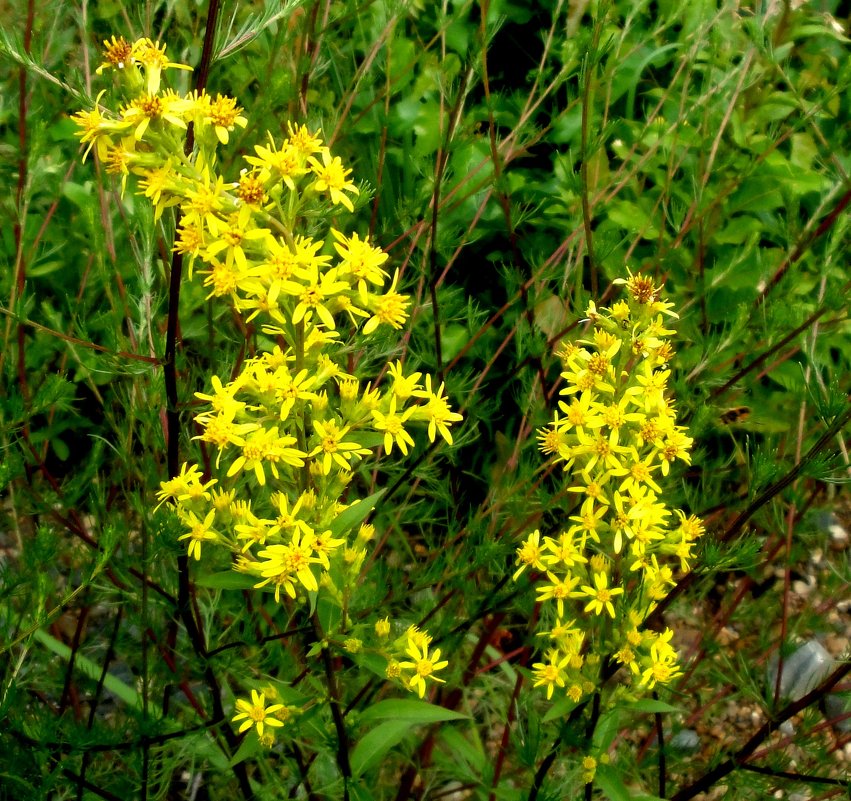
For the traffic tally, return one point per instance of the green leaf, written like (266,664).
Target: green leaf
(360,792)
(411,710)
(355,514)
(376,743)
(79,194)
(738,230)
(247,749)
(46,268)
(560,709)
(454,338)
(608,780)
(229,580)
(370,439)
(651,705)
(607,729)
(328,610)
(93,671)
(757,193)
(631,217)
(465,747)
(60,449)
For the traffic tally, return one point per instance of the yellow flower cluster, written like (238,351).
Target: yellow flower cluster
(616,435)
(409,660)
(293,426)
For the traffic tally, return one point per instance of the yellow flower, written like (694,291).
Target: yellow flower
(324,545)
(95,128)
(554,438)
(530,554)
(117,53)
(286,563)
(288,519)
(551,673)
(638,473)
(149,107)
(626,656)
(303,141)
(286,163)
(360,260)
(422,639)
(266,446)
(206,200)
(199,531)
(251,190)
(582,413)
(663,662)
(290,389)
(223,399)
(437,412)
(424,666)
(393,426)
(559,589)
(389,308)
(151,55)
(256,713)
(564,553)
(404,386)
(588,520)
(223,114)
(234,236)
(601,595)
(253,530)
(333,448)
(312,294)
(332,177)
(187,486)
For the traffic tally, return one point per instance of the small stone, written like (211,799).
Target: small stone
(838,534)
(836,706)
(803,670)
(686,740)
(787,728)
(838,537)
(727,636)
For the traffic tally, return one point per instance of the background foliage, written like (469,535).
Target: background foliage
(515,158)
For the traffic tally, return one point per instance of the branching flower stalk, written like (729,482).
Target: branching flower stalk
(616,435)
(292,428)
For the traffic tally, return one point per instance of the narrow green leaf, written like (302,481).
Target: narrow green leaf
(649,705)
(376,743)
(360,792)
(247,749)
(355,514)
(228,580)
(608,780)
(607,728)
(560,709)
(465,747)
(93,671)
(411,710)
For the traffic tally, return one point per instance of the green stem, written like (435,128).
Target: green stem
(336,709)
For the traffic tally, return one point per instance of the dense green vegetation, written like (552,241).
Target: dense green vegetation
(514,160)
